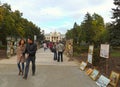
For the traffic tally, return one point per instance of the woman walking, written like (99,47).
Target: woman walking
(20,56)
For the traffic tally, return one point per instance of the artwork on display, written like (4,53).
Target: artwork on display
(89,71)
(69,47)
(90,51)
(114,77)
(94,74)
(83,65)
(90,54)
(104,50)
(89,58)
(103,81)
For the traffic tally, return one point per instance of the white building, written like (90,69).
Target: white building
(54,36)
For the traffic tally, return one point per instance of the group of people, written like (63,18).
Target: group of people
(26,53)
(58,49)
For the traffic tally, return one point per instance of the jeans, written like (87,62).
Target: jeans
(55,55)
(32,59)
(60,56)
(19,67)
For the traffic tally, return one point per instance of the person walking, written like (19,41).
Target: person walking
(30,51)
(20,56)
(54,51)
(60,49)
(44,46)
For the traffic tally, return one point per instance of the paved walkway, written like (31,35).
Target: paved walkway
(49,73)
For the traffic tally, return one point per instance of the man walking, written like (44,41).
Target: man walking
(60,49)
(30,51)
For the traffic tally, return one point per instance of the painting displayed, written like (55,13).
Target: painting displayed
(83,65)
(89,58)
(104,50)
(90,51)
(114,77)
(94,74)
(69,47)
(89,71)
(103,81)
(90,54)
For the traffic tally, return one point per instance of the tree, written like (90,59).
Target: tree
(87,28)
(14,25)
(115,26)
(98,28)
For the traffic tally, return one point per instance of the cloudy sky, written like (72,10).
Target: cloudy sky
(60,15)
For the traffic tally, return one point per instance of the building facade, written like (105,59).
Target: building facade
(54,36)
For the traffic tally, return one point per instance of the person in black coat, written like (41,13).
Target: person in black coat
(54,50)
(30,51)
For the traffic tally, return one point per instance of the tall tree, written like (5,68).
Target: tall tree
(98,27)
(87,29)
(14,25)
(115,28)
(75,33)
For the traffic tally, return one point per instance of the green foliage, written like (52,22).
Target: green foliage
(91,31)
(87,30)
(96,57)
(115,26)
(2,47)
(115,52)
(14,25)
(79,49)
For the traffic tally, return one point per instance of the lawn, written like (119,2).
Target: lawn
(115,53)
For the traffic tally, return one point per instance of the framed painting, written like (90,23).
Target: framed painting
(89,58)
(114,77)
(83,65)
(104,50)
(89,71)
(90,51)
(94,74)
(103,81)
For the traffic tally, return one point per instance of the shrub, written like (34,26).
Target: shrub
(77,50)
(2,47)
(96,57)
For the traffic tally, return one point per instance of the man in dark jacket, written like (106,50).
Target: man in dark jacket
(30,50)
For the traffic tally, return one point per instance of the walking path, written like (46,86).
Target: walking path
(49,73)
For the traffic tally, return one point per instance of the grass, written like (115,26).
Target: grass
(115,53)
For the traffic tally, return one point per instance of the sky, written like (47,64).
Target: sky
(60,15)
